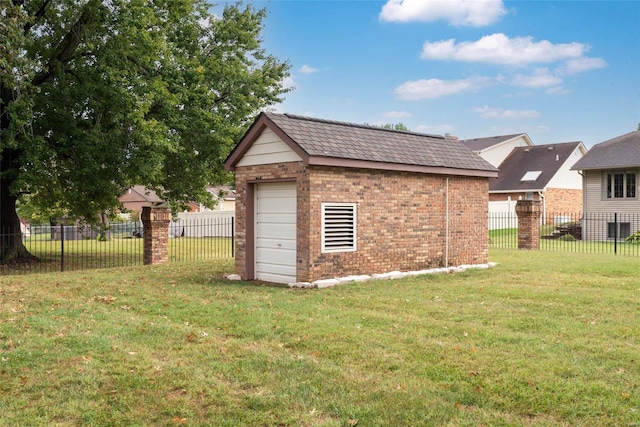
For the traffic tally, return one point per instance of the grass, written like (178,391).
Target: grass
(542,339)
(115,252)
(507,238)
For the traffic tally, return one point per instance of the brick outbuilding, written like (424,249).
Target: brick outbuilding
(317,199)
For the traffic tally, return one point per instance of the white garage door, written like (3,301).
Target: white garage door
(275,232)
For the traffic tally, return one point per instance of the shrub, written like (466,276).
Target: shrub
(634,238)
(567,238)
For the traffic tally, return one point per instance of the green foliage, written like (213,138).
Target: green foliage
(396,126)
(634,238)
(567,238)
(98,96)
(391,126)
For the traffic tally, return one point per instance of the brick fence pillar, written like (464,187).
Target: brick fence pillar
(528,212)
(156,234)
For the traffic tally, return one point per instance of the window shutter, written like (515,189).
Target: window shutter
(339,227)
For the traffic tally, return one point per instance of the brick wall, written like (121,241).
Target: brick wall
(563,200)
(501,197)
(401,221)
(556,200)
(401,218)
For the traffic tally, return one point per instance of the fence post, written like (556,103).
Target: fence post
(61,246)
(155,221)
(528,212)
(615,233)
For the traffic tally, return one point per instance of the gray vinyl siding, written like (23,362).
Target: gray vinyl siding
(599,211)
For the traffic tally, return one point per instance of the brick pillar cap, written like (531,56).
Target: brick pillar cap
(155,213)
(526,206)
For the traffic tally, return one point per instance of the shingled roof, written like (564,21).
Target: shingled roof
(620,152)
(333,143)
(545,159)
(479,144)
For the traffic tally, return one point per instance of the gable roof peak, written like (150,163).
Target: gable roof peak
(619,152)
(335,143)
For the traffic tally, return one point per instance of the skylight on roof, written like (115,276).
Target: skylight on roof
(531,176)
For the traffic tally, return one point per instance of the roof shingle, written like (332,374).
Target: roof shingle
(544,158)
(622,151)
(333,139)
(479,144)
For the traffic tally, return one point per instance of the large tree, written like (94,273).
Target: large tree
(96,96)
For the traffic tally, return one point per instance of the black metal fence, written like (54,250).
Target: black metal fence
(605,233)
(65,247)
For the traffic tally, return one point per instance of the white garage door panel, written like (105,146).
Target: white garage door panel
(277,205)
(275,232)
(283,257)
(275,244)
(276,278)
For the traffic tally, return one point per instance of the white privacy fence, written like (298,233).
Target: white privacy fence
(203,224)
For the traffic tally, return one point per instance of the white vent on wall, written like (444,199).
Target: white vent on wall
(339,226)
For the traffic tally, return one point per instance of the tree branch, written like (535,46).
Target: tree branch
(69,44)
(37,16)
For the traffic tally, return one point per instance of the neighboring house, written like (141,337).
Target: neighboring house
(540,172)
(318,199)
(495,149)
(610,186)
(138,196)
(225,197)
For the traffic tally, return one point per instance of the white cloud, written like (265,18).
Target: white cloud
(436,88)
(398,114)
(472,13)
(306,69)
(538,79)
(487,112)
(500,49)
(288,83)
(579,65)
(440,129)
(557,90)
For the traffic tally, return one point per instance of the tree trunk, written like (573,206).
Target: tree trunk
(11,246)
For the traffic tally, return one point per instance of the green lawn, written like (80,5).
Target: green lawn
(507,238)
(115,252)
(543,339)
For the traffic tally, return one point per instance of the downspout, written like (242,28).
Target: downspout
(446,226)
(544,207)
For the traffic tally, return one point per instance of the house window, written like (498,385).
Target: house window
(624,230)
(619,185)
(339,227)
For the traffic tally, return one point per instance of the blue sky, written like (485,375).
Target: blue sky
(557,70)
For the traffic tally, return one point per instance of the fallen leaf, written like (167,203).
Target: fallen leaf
(353,423)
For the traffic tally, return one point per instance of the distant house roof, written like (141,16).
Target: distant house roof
(333,143)
(480,144)
(531,168)
(143,194)
(622,151)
